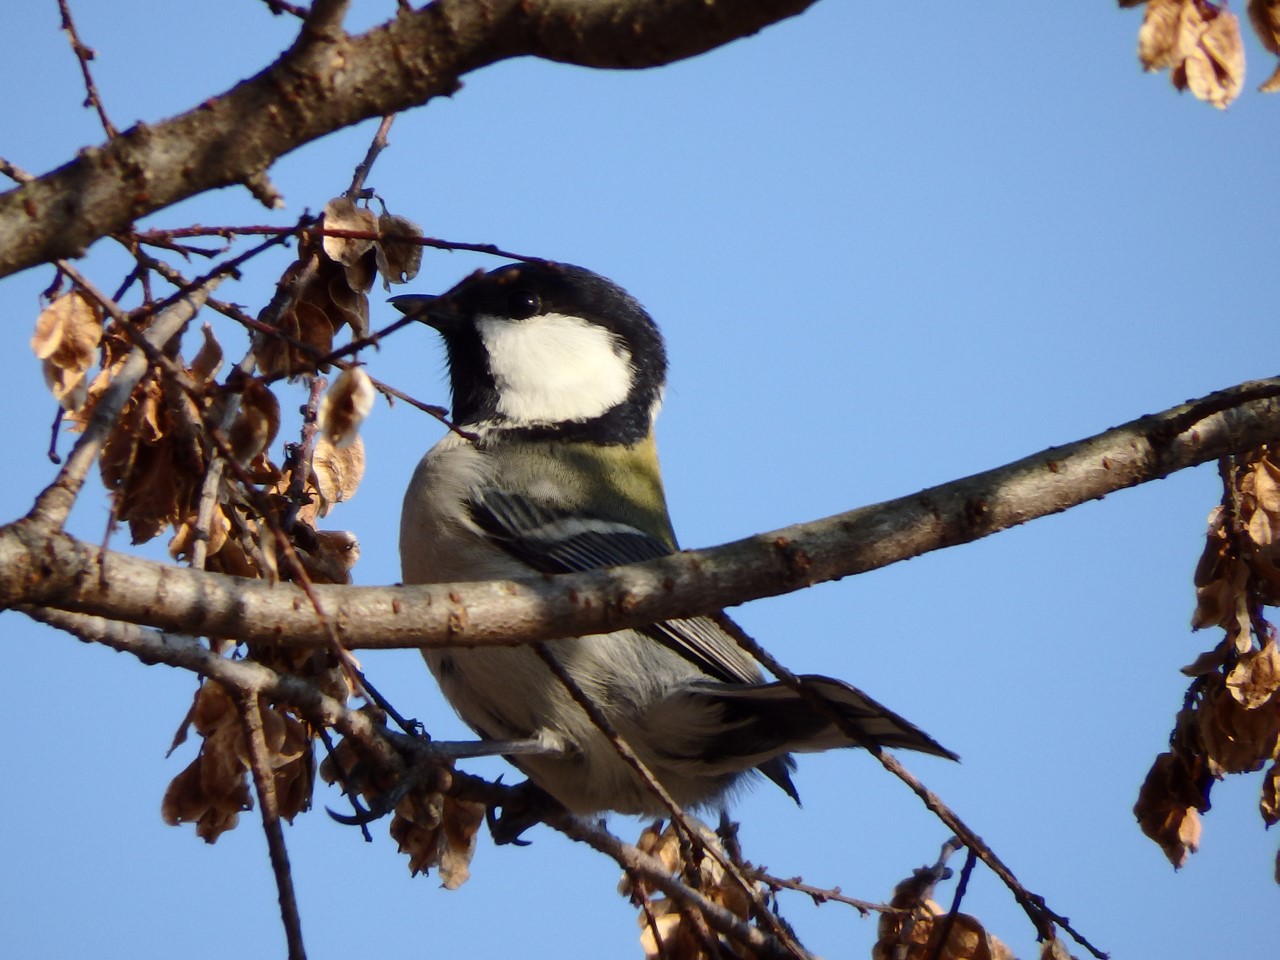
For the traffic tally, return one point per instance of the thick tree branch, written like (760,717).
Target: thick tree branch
(41,566)
(329,80)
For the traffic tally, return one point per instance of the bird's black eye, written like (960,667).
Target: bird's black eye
(522,304)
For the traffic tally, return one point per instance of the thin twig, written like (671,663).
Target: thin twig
(298,463)
(279,6)
(928,878)
(324,18)
(54,429)
(264,783)
(370,340)
(15,172)
(962,885)
(1032,904)
(84,54)
(160,236)
(376,147)
(638,892)
(212,485)
(252,323)
(821,895)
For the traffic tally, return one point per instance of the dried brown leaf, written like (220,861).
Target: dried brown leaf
(341,213)
(308,321)
(347,289)
(208,360)
(346,405)
(1175,789)
(1055,949)
(1224,602)
(1198,43)
(234,560)
(1215,548)
(152,461)
(1269,804)
(66,340)
(1169,31)
(398,257)
(1214,69)
(1236,739)
(187,801)
(1208,662)
(1255,678)
(1272,83)
(257,422)
(920,938)
(436,830)
(664,930)
(1265,17)
(666,935)
(184,537)
(461,825)
(335,472)
(68,329)
(213,789)
(1263,481)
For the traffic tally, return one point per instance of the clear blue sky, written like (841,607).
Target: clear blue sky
(890,245)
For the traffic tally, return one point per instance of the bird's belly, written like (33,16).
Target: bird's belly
(510,693)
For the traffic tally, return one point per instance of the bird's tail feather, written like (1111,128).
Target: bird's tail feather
(768,719)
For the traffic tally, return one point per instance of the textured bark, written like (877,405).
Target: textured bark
(41,566)
(327,81)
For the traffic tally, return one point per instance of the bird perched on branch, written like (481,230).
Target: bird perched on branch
(557,374)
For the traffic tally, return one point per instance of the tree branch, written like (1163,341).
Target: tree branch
(327,81)
(42,566)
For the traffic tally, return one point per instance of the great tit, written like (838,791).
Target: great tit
(557,375)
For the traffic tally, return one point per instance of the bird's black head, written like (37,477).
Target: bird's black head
(548,350)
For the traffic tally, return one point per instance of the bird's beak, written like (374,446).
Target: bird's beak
(432,309)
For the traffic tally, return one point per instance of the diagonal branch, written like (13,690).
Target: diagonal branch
(327,81)
(41,566)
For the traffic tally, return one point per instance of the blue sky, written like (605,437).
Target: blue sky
(889,246)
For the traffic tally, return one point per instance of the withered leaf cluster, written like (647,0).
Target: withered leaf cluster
(155,457)
(667,929)
(1230,721)
(327,287)
(213,789)
(192,455)
(915,930)
(1199,43)
(66,342)
(433,828)
(345,406)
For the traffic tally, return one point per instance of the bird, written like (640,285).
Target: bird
(556,377)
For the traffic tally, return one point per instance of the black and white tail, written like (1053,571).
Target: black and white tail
(768,719)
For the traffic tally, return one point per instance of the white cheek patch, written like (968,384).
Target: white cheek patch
(551,368)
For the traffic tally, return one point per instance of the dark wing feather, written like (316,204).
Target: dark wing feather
(552,541)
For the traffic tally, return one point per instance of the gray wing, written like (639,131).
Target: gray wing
(551,540)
